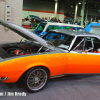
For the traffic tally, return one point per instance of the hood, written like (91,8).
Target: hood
(37,18)
(25,33)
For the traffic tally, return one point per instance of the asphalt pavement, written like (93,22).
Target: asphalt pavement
(71,87)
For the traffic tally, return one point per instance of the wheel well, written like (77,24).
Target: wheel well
(22,76)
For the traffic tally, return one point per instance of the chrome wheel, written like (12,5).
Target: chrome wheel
(36,79)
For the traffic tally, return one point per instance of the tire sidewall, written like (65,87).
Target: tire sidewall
(28,73)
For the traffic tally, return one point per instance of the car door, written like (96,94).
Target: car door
(75,58)
(92,55)
(85,57)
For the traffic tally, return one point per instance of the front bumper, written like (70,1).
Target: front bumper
(4,78)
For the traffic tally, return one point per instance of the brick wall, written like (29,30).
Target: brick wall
(16,17)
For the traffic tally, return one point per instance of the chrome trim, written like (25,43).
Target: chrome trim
(58,76)
(74,74)
(4,78)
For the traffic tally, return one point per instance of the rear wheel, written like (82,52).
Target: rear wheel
(36,79)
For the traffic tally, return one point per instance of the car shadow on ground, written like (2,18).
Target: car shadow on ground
(61,81)
(71,80)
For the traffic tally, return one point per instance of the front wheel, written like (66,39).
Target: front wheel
(36,79)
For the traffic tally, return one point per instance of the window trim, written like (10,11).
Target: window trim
(72,51)
(79,44)
(83,50)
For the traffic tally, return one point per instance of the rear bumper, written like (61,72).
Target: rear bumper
(4,78)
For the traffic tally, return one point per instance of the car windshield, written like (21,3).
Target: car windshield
(59,40)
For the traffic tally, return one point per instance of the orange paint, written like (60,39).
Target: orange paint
(59,63)
(82,63)
(14,68)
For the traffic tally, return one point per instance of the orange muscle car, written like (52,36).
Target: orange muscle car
(35,60)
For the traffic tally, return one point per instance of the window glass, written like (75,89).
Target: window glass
(69,28)
(96,43)
(83,44)
(77,41)
(57,27)
(88,43)
(66,27)
(41,26)
(53,27)
(60,27)
(50,27)
(59,40)
(79,47)
(53,35)
(96,40)
(72,28)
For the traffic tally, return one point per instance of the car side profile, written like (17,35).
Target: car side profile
(36,60)
(44,27)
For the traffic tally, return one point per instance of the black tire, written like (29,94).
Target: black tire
(36,79)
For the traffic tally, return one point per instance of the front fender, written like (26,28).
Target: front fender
(14,68)
(36,64)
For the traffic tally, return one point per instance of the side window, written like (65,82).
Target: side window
(49,28)
(69,28)
(78,40)
(80,46)
(57,27)
(49,36)
(88,44)
(53,27)
(72,28)
(66,27)
(40,28)
(96,43)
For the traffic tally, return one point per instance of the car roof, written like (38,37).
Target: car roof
(75,33)
(62,24)
(95,26)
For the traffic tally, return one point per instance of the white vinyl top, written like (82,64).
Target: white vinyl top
(63,24)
